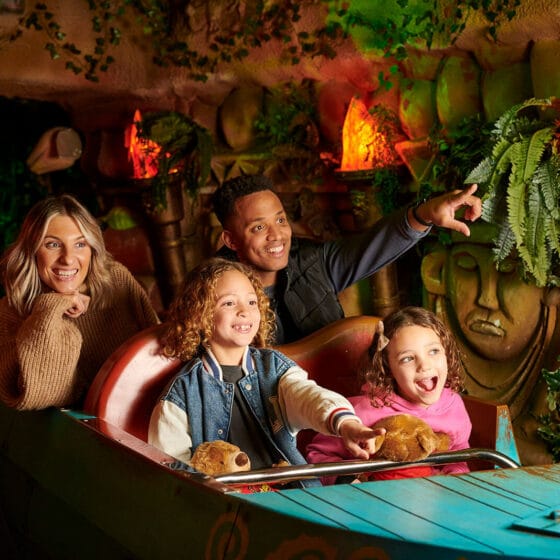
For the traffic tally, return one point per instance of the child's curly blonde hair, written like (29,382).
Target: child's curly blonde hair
(191,316)
(375,369)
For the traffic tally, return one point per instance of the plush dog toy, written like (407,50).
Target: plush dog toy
(409,438)
(219,457)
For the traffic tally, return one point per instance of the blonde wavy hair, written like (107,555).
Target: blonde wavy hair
(191,316)
(18,266)
(375,370)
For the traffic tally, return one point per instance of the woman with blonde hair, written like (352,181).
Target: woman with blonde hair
(68,306)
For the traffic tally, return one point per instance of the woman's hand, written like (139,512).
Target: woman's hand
(79,304)
(360,440)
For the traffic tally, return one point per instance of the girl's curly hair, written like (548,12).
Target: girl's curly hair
(375,369)
(191,315)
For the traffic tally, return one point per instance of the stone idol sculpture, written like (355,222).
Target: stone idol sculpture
(506,329)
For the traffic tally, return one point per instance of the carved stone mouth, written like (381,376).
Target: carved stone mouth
(486,328)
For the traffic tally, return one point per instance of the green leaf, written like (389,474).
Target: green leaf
(535,236)
(533,149)
(481,173)
(504,243)
(552,229)
(547,178)
(517,189)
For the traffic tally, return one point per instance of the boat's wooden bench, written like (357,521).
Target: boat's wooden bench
(127,387)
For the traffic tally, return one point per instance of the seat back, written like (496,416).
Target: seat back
(331,355)
(128,384)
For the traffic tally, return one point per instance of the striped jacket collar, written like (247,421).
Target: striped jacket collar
(212,366)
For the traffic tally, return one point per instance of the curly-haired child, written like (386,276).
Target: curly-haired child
(232,387)
(413,367)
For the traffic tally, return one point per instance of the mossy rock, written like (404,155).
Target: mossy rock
(458,90)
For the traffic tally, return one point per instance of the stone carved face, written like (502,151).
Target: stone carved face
(496,312)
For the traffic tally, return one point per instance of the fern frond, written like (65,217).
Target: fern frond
(532,151)
(503,124)
(504,243)
(534,251)
(547,178)
(500,162)
(521,190)
(510,119)
(494,206)
(534,227)
(526,260)
(541,266)
(516,193)
(552,229)
(481,173)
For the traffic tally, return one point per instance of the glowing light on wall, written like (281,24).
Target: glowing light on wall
(142,152)
(365,144)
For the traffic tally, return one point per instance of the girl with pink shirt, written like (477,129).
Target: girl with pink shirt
(412,367)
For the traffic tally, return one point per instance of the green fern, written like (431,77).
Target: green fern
(516,193)
(504,244)
(520,189)
(511,123)
(547,177)
(481,173)
(549,429)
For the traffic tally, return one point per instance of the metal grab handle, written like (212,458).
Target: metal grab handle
(297,472)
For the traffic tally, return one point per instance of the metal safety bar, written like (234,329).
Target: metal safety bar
(277,475)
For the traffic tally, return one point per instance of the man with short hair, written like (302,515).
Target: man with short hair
(302,277)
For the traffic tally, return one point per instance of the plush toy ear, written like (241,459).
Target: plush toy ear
(215,455)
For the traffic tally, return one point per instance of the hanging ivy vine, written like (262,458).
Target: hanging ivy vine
(167,26)
(390,28)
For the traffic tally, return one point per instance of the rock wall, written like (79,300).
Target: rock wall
(439,86)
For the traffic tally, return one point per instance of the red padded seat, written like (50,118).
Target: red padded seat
(128,384)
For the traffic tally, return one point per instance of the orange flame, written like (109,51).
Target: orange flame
(141,151)
(364,145)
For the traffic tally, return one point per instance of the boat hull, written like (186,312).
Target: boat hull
(71,485)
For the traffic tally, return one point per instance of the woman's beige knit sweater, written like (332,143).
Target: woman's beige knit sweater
(48,359)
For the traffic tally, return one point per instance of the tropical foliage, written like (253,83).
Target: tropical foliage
(549,429)
(167,28)
(234,29)
(520,182)
(182,146)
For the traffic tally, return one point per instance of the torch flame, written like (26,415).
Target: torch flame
(364,145)
(142,152)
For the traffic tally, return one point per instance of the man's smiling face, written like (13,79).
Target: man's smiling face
(260,234)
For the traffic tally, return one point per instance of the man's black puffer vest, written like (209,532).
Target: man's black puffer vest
(308,293)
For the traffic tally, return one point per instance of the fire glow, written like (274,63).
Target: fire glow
(364,144)
(142,152)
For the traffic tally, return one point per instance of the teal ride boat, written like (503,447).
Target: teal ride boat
(85,484)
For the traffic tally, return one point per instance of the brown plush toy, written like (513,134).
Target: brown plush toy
(409,438)
(219,457)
